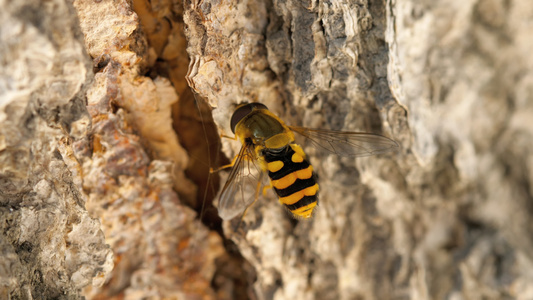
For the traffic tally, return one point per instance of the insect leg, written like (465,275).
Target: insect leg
(211,170)
(228,137)
(266,187)
(230,165)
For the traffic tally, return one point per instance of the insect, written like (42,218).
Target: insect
(270,144)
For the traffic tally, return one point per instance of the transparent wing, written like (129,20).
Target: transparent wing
(346,143)
(240,189)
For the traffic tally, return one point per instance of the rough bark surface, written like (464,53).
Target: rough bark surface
(102,166)
(447,217)
(50,246)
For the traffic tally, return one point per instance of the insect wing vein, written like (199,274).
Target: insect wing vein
(346,143)
(239,191)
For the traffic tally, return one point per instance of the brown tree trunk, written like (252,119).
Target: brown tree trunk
(105,190)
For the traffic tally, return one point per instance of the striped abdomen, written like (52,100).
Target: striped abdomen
(293,179)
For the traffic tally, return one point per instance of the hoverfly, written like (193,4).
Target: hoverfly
(269,143)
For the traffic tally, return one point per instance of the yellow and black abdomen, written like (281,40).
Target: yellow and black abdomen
(293,179)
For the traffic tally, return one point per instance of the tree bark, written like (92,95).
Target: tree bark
(51,247)
(105,190)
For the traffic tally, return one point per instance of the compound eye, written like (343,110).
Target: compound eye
(242,111)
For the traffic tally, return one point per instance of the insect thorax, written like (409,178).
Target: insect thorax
(265,129)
